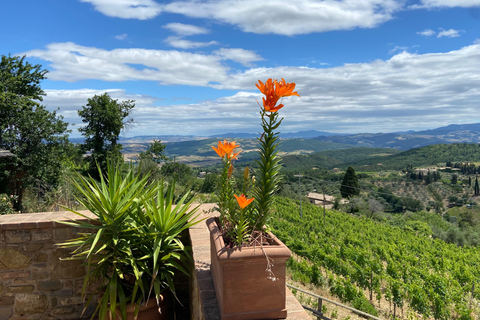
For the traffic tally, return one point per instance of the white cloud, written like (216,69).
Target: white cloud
(245,57)
(68,102)
(426,32)
(397,49)
(449,3)
(127,9)
(71,62)
(451,33)
(186,29)
(285,17)
(408,91)
(178,42)
(122,36)
(288,17)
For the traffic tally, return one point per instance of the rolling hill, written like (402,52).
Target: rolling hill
(377,159)
(469,133)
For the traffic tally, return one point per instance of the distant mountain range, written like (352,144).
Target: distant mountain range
(285,135)
(148,139)
(179,138)
(455,133)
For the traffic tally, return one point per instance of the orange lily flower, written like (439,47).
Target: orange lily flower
(243,202)
(226,149)
(274,90)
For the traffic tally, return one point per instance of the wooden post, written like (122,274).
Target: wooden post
(324,207)
(319,308)
(371,285)
(471,295)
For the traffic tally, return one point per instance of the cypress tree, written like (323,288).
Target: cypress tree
(429,178)
(454,179)
(350,186)
(476,188)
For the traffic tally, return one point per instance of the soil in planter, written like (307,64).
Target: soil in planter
(257,238)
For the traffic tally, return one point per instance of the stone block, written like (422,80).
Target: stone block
(17,236)
(6,300)
(64,269)
(50,285)
(48,247)
(68,301)
(20,289)
(40,257)
(4,275)
(5,313)
(32,317)
(63,310)
(64,233)
(25,281)
(32,247)
(38,275)
(30,303)
(78,284)
(12,259)
(68,284)
(41,234)
(63,292)
(40,265)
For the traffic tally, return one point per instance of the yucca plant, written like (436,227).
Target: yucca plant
(133,249)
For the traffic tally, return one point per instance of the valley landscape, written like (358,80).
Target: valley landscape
(348,129)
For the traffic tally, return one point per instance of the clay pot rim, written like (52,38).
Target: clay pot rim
(131,307)
(152,301)
(277,250)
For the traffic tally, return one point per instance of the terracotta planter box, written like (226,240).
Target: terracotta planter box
(147,312)
(240,278)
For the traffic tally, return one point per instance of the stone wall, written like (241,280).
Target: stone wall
(34,282)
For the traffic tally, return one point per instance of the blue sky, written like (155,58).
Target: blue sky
(191,66)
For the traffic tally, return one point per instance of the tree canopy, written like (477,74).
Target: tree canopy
(155,152)
(27,129)
(105,118)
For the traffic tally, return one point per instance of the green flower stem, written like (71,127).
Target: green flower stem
(269,165)
(225,195)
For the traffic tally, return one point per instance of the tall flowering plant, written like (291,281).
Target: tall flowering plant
(240,220)
(269,163)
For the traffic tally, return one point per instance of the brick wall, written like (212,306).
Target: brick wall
(34,282)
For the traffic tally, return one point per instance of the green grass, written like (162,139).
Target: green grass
(457,211)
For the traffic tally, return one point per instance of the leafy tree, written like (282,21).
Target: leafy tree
(350,186)
(467,219)
(27,129)
(155,152)
(355,204)
(180,171)
(374,206)
(208,185)
(105,119)
(150,160)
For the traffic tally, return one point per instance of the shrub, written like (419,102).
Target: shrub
(6,204)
